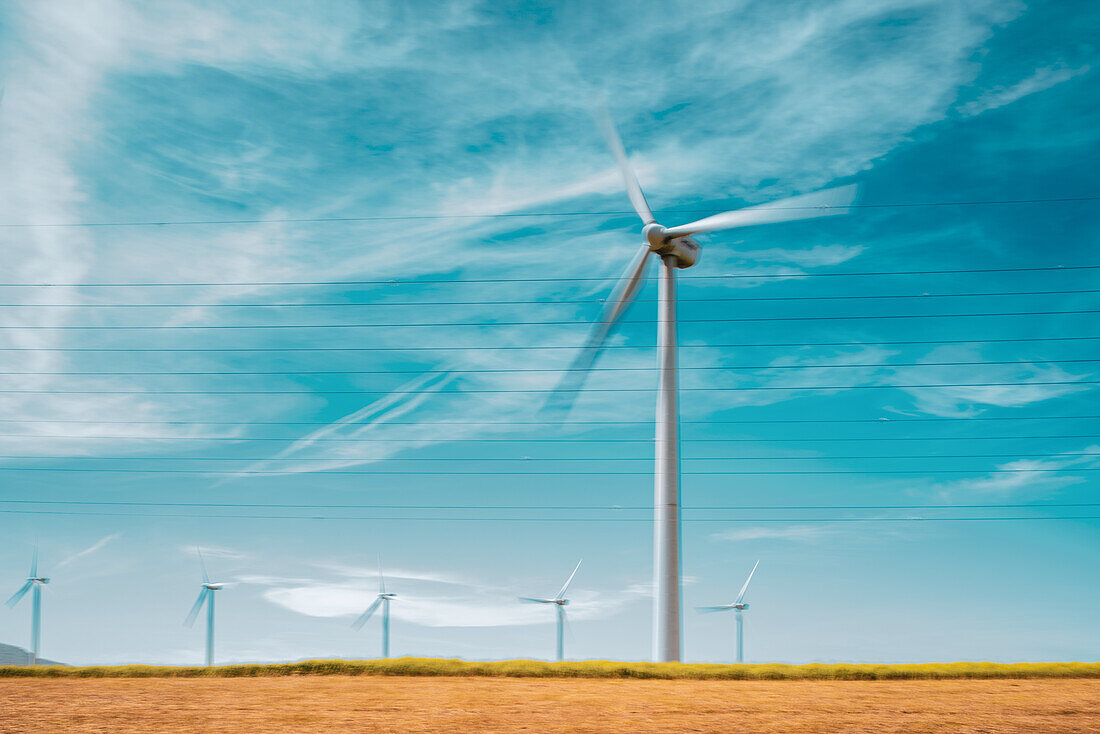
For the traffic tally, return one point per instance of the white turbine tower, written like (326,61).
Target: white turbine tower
(382,600)
(676,249)
(738,606)
(560,602)
(34,582)
(206,596)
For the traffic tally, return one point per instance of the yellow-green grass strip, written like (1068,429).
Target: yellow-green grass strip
(585,669)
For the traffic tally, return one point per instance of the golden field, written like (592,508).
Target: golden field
(581,669)
(379,703)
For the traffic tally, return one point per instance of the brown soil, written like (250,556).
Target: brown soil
(384,704)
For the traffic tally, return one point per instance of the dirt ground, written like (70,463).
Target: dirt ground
(384,704)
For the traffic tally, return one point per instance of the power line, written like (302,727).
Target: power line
(690,508)
(570,322)
(549,347)
(44,457)
(545,302)
(543,391)
(420,518)
(602,279)
(448,439)
(879,420)
(286,472)
(238,373)
(523,215)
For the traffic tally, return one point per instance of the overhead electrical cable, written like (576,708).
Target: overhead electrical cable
(522,215)
(545,302)
(511,347)
(562,279)
(536,391)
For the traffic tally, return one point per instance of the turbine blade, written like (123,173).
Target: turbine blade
(826,203)
(362,620)
(708,610)
(196,607)
(205,578)
(741,594)
(20,594)
(565,587)
(381,578)
(633,188)
(533,600)
(627,287)
(34,562)
(568,628)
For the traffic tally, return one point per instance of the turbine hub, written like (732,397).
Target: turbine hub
(655,235)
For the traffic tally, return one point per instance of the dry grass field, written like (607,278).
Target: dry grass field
(368,703)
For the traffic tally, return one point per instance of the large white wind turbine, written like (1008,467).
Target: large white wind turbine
(34,583)
(206,595)
(382,600)
(738,606)
(560,602)
(676,249)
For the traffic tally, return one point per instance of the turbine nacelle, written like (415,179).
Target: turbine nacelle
(214,586)
(39,580)
(683,250)
(387,596)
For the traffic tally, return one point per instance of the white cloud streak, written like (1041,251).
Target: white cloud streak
(96,546)
(1040,80)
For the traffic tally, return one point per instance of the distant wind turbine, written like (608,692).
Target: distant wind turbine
(561,602)
(382,600)
(206,595)
(676,248)
(738,606)
(35,582)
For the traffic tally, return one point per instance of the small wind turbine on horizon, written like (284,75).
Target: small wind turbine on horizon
(560,602)
(677,250)
(738,606)
(206,596)
(382,600)
(34,582)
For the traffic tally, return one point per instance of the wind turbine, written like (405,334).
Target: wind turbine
(34,582)
(561,603)
(382,600)
(738,606)
(206,595)
(676,250)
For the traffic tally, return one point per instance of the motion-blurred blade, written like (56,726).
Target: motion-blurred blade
(534,600)
(568,627)
(565,394)
(20,594)
(381,578)
(196,607)
(827,203)
(741,594)
(633,188)
(708,610)
(564,588)
(34,562)
(362,620)
(205,578)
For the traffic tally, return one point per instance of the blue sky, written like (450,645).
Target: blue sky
(116,112)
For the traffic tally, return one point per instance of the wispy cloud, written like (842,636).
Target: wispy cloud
(429,599)
(794,532)
(1041,79)
(1022,475)
(98,545)
(968,401)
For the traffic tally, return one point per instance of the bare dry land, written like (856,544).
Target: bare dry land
(372,703)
